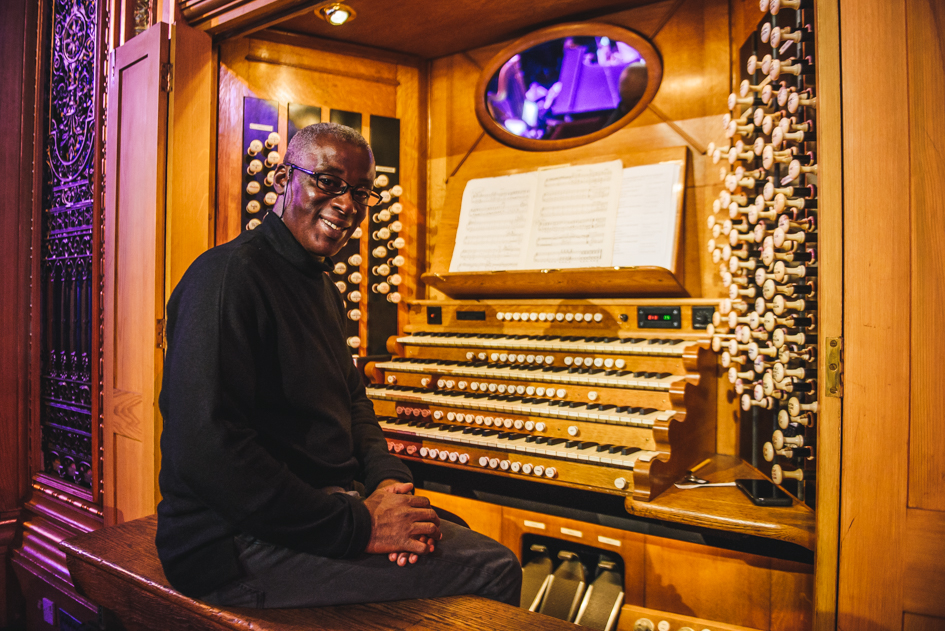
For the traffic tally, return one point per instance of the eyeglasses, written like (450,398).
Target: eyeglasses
(334,185)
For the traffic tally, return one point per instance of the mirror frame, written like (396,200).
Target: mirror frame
(654,66)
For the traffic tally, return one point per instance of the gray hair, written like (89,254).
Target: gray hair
(311,136)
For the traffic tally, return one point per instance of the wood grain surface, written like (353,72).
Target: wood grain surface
(876,316)
(830,311)
(118,567)
(563,283)
(727,508)
(926,48)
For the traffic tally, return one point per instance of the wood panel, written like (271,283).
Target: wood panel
(876,314)
(189,152)
(17,35)
(134,273)
(706,582)
(924,568)
(926,50)
(830,312)
(915,622)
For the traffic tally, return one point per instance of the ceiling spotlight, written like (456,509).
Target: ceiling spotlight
(335,13)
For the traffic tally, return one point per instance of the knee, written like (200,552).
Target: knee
(507,573)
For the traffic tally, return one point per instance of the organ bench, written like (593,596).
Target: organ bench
(118,568)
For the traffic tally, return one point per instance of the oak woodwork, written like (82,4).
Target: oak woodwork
(727,508)
(189,152)
(876,175)
(134,267)
(592,282)
(443,29)
(924,570)
(118,567)
(726,589)
(654,68)
(49,516)
(926,52)
(630,614)
(830,312)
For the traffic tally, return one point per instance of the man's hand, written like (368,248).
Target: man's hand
(402,558)
(402,525)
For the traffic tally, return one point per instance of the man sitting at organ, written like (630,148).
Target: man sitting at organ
(278,488)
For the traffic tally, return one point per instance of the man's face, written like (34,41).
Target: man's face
(321,222)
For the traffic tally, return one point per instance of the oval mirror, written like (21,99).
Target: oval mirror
(567,85)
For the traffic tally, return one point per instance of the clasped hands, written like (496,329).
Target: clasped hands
(403,526)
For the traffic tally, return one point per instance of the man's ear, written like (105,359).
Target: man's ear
(280,179)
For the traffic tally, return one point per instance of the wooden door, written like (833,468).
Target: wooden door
(134,272)
(892,526)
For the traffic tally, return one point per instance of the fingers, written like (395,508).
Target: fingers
(414,546)
(401,488)
(425,528)
(418,501)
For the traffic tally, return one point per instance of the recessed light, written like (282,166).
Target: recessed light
(335,13)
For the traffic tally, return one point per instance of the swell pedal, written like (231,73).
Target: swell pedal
(603,600)
(565,588)
(535,578)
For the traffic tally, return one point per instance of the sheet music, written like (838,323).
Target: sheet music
(494,223)
(575,216)
(646,216)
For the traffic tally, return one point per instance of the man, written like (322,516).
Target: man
(268,433)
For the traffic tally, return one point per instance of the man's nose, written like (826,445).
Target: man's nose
(345,202)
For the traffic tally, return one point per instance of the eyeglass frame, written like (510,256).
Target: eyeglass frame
(372,194)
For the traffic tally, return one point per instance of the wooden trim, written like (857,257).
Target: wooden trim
(342,48)
(43,38)
(654,66)
(590,282)
(98,217)
(830,251)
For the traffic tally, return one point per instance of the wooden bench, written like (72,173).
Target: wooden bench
(118,568)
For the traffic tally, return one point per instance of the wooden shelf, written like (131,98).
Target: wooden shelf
(727,508)
(592,282)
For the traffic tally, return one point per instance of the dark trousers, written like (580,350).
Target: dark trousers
(464,562)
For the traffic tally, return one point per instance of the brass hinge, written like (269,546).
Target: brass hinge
(833,362)
(167,77)
(160,337)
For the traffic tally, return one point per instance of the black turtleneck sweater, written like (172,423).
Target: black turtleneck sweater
(262,407)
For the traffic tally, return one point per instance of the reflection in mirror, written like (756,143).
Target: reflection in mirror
(567,87)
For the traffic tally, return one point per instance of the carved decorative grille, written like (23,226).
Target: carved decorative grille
(67,282)
(144,15)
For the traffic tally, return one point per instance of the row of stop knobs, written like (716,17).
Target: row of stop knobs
(766,245)
(443,455)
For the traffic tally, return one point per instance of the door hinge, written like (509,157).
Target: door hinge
(167,77)
(833,363)
(160,337)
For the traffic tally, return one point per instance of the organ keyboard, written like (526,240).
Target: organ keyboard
(598,403)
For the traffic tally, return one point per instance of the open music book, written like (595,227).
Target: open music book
(596,215)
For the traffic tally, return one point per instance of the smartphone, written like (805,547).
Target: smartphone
(764,493)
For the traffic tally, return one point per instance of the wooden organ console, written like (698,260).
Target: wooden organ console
(620,395)
(569,393)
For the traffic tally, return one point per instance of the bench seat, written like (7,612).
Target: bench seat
(118,568)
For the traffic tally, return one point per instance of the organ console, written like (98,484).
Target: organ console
(595,399)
